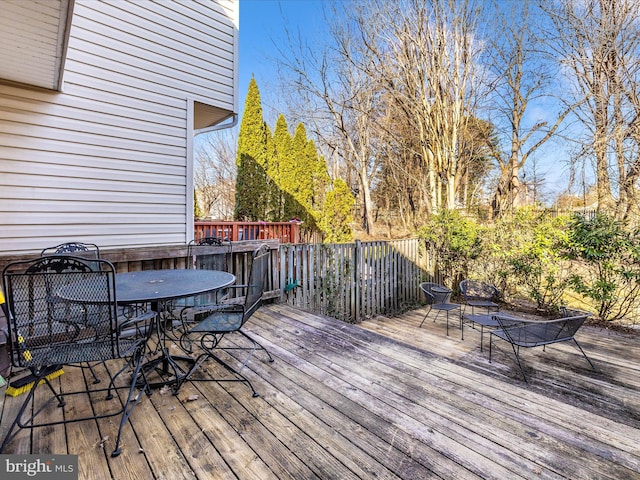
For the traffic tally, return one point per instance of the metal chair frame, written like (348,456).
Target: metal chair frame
(76,249)
(477,293)
(437,300)
(89,252)
(528,334)
(46,333)
(230,318)
(200,256)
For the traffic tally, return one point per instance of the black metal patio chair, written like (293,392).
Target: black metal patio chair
(208,253)
(437,298)
(228,318)
(131,314)
(89,251)
(63,312)
(480,294)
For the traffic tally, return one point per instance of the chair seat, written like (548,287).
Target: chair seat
(220,321)
(92,351)
(482,303)
(445,306)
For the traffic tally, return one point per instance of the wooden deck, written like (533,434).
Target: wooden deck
(383,399)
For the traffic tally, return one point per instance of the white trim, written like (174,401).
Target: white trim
(220,126)
(236,59)
(190,229)
(64,32)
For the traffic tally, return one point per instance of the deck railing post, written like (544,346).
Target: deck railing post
(295,232)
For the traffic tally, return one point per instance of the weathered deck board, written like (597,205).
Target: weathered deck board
(384,399)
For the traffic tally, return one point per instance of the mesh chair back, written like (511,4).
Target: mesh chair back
(478,290)
(62,310)
(257,280)
(208,253)
(435,293)
(532,334)
(83,250)
(76,249)
(203,254)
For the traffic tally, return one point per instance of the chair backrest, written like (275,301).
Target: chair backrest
(435,293)
(537,333)
(257,280)
(75,249)
(62,310)
(478,290)
(83,250)
(209,253)
(567,327)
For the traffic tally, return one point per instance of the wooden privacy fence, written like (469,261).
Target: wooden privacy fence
(349,282)
(352,281)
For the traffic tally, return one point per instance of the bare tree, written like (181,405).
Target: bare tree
(337,101)
(426,58)
(398,76)
(521,76)
(598,42)
(215,173)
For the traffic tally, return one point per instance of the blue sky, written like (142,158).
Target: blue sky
(263,22)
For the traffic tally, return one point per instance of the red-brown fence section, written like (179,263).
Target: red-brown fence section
(286,232)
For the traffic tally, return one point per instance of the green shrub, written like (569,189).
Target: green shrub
(534,258)
(606,256)
(454,242)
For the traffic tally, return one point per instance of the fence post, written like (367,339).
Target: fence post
(293,230)
(284,250)
(357,287)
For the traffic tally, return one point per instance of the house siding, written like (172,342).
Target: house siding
(107,160)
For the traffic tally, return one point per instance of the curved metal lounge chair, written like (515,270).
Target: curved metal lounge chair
(480,294)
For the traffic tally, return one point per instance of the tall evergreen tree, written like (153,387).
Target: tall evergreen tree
(294,172)
(279,157)
(281,176)
(320,179)
(252,186)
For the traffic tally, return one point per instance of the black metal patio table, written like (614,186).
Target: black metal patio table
(155,287)
(487,320)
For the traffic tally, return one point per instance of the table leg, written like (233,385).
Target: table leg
(167,367)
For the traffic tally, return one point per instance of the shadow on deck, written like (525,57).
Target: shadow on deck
(383,399)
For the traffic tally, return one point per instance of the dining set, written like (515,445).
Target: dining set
(68,308)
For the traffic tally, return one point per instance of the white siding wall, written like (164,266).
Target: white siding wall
(106,160)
